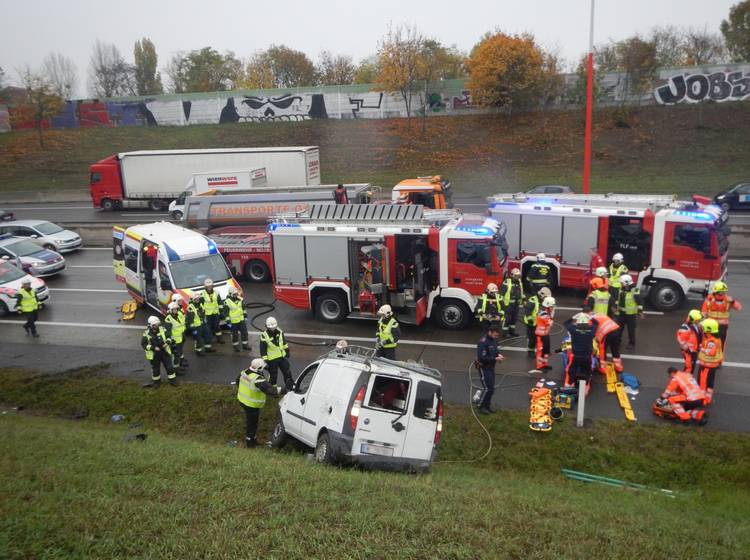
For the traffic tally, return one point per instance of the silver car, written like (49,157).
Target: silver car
(30,257)
(48,235)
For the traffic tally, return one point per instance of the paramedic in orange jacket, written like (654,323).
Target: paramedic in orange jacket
(717,305)
(689,337)
(607,337)
(685,396)
(710,357)
(544,323)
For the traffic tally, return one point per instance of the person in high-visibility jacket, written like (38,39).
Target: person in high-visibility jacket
(599,281)
(544,322)
(156,345)
(718,305)
(600,300)
(275,351)
(252,388)
(196,323)
(689,337)
(28,305)
(235,314)
(212,303)
(684,396)
(539,274)
(511,293)
(710,357)
(530,313)
(607,337)
(616,269)
(175,326)
(388,334)
(628,307)
(489,307)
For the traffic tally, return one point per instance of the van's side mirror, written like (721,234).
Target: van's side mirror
(166,284)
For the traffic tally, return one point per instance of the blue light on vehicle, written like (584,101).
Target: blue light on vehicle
(212,250)
(275,226)
(476,230)
(171,254)
(696,215)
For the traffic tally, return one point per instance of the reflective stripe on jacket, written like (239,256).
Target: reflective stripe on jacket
(688,337)
(148,336)
(606,325)
(247,393)
(601,301)
(236,310)
(711,354)
(274,351)
(543,323)
(509,286)
(211,303)
(197,319)
(484,300)
(614,274)
(685,384)
(177,323)
(530,316)
(28,302)
(384,333)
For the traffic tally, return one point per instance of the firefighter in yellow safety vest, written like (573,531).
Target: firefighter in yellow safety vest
(28,305)
(275,351)
(235,315)
(174,325)
(252,388)
(388,334)
(156,344)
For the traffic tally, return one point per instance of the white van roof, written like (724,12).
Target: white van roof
(178,241)
(366,359)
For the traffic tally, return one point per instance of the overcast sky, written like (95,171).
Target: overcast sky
(31,29)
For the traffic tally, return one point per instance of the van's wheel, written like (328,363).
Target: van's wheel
(278,437)
(177,215)
(257,271)
(452,314)
(323,449)
(108,205)
(331,307)
(3,309)
(155,205)
(666,296)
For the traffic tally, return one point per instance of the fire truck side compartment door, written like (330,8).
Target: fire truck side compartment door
(576,232)
(512,233)
(289,259)
(327,257)
(541,234)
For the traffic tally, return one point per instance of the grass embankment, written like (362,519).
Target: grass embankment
(77,489)
(683,149)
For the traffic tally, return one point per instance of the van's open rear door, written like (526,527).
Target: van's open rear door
(118,255)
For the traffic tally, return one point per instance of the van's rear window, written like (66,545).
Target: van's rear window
(426,403)
(389,393)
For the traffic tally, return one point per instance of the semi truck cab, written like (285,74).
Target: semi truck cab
(431,192)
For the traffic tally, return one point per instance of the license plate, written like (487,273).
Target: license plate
(370,449)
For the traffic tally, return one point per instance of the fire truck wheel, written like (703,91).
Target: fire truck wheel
(257,271)
(666,296)
(452,314)
(331,307)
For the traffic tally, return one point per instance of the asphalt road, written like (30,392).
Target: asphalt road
(80,327)
(76,212)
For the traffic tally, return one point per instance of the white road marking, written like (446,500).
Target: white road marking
(123,292)
(562,308)
(149,215)
(739,260)
(675,360)
(52,208)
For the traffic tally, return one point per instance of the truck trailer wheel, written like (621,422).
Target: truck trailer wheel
(666,296)
(257,271)
(155,204)
(108,205)
(177,215)
(331,307)
(452,314)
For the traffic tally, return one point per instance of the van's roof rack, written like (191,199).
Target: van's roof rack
(364,355)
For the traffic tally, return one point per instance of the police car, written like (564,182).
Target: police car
(30,257)
(11,279)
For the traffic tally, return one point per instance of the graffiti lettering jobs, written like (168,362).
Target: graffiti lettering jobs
(694,88)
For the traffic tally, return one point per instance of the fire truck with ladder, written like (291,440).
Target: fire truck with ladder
(346,261)
(672,247)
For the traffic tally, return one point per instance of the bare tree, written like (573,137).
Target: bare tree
(704,47)
(335,70)
(670,45)
(401,62)
(109,74)
(41,103)
(61,74)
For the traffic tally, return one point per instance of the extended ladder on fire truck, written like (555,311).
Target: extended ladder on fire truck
(372,214)
(624,201)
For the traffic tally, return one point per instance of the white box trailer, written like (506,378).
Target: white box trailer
(156,177)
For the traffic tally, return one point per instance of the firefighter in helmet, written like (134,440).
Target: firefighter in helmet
(489,307)
(718,305)
(388,333)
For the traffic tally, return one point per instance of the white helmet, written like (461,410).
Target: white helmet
(196,296)
(176,298)
(515,273)
(492,288)
(617,257)
(342,345)
(208,283)
(583,319)
(271,323)
(385,310)
(540,256)
(172,306)
(549,302)
(545,292)
(626,280)
(154,321)
(601,272)
(232,291)
(257,364)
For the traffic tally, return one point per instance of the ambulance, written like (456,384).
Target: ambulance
(157,260)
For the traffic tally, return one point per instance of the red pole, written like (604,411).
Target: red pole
(587,134)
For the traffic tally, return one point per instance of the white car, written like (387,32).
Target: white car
(30,257)
(11,279)
(353,407)
(48,235)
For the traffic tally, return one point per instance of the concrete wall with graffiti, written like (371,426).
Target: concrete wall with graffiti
(690,85)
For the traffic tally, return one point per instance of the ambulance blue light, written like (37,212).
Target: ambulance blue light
(695,215)
(476,230)
(171,254)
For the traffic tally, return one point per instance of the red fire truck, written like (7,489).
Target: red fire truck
(346,261)
(673,247)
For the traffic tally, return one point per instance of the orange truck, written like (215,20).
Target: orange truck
(431,192)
